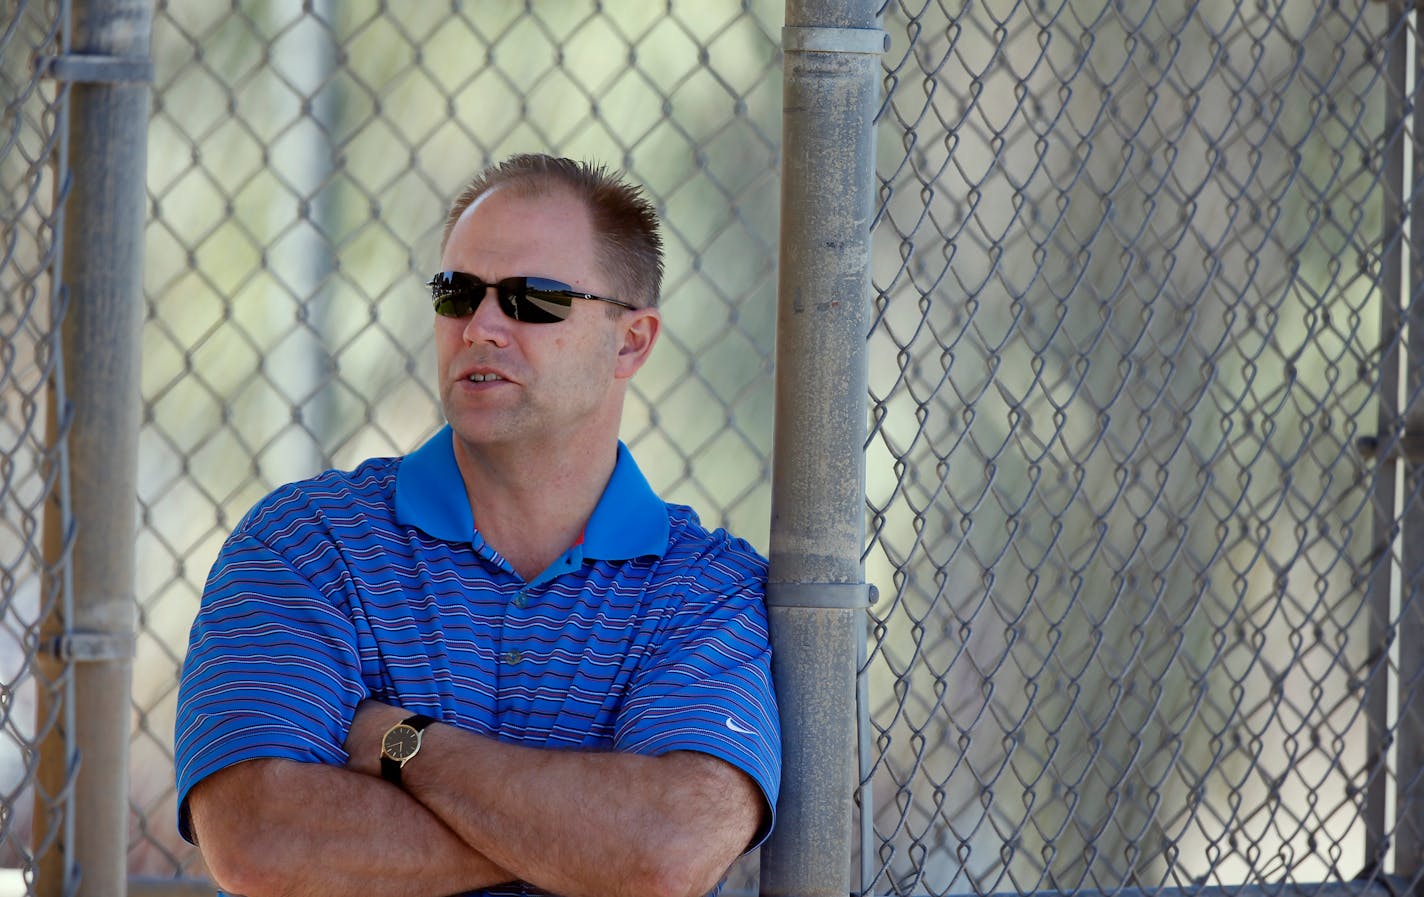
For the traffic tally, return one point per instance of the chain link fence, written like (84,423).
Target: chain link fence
(1134,314)
(301,157)
(31,471)
(1128,295)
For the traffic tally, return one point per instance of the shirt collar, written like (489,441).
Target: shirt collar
(629,520)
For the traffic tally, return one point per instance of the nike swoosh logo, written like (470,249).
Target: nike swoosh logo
(739,728)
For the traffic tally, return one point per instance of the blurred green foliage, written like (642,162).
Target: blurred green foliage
(1129,300)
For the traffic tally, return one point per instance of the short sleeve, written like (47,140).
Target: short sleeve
(708,688)
(272,670)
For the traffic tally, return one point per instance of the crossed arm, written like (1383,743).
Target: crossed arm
(476,812)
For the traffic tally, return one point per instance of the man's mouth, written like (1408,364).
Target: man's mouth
(484,378)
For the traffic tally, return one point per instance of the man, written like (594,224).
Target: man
(500,663)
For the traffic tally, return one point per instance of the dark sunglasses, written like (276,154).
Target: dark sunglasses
(533,300)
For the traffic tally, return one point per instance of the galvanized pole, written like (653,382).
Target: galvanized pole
(1382,450)
(104,63)
(1409,826)
(816,595)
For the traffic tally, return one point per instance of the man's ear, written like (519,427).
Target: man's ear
(640,331)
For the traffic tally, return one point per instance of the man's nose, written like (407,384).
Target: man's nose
(488,322)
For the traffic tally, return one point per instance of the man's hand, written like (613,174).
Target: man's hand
(572,822)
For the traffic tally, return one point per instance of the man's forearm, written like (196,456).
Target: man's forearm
(577,823)
(305,829)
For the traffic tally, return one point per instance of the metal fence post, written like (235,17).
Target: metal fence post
(104,60)
(1409,840)
(1381,581)
(816,595)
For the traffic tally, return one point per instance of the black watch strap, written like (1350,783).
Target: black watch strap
(390,767)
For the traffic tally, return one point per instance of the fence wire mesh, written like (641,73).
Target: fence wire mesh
(301,157)
(1128,294)
(30,134)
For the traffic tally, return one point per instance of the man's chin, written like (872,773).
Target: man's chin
(489,431)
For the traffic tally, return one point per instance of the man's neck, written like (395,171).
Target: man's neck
(532,506)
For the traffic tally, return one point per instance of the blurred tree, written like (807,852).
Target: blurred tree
(1112,474)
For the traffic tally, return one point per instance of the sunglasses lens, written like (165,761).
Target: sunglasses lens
(542,308)
(533,300)
(454,305)
(454,294)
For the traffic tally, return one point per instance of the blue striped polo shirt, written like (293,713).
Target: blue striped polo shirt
(648,636)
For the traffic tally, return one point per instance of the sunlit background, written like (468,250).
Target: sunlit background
(1128,293)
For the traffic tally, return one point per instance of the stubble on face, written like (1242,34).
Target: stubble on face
(556,379)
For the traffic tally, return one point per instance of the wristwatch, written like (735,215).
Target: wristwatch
(399,744)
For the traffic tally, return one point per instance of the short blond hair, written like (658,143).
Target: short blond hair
(624,222)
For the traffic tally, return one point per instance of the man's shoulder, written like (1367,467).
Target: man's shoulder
(361,493)
(711,553)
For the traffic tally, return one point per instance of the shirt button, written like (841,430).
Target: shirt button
(513,656)
(520,600)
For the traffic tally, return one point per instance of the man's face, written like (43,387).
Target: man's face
(508,382)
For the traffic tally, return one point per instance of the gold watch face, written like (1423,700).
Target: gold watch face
(401,742)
